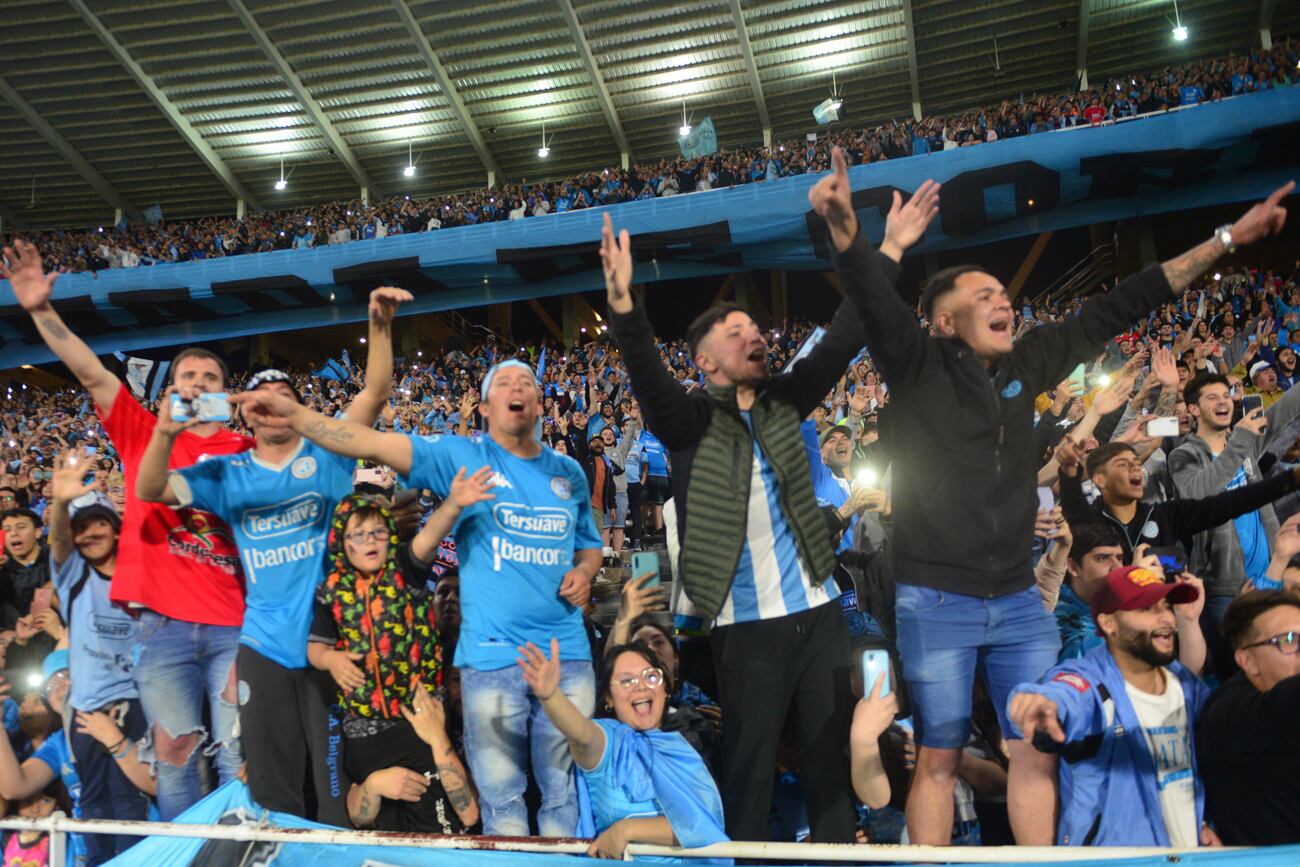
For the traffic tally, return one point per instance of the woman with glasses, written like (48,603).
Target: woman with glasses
(637,783)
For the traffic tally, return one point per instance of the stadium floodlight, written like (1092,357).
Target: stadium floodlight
(282,183)
(409,171)
(1180,32)
(685,129)
(545,150)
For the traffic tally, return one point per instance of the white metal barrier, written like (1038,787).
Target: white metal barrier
(59,825)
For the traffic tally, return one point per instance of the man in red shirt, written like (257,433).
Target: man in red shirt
(178,569)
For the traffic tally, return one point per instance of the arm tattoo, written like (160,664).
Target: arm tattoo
(454,783)
(367,809)
(1180,272)
(326,431)
(1165,403)
(53,328)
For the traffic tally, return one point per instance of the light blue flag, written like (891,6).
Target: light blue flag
(702,141)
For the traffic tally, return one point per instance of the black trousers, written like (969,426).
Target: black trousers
(288,734)
(765,668)
(106,793)
(634,511)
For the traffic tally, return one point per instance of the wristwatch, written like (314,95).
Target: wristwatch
(1224,234)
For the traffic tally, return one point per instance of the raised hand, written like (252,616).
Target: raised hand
(1112,397)
(1286,544)
(832,200)
(1264,219)
(1190,612)
(906,223)
(540,673)
(466,491)
(166,425)
(1164,368)
(873,715)
(70,472)
(384,302)
(26,274)
(616,260)
(638,598)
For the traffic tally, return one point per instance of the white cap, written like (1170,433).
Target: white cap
(1257,367)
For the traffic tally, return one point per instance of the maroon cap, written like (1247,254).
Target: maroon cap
(1132,588)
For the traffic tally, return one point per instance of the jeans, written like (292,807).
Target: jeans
(177,666)
(503,720)
(943,637)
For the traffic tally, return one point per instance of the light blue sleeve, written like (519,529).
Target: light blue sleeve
(1079,711)
(65,574)
(585,534)
(206,481)
(819,472)
(435,461)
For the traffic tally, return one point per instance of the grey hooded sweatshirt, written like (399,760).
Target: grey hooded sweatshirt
(1217,556)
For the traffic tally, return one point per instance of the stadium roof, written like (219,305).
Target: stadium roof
(189,105)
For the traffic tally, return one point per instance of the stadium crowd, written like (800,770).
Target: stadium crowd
(197,590)
(135,244)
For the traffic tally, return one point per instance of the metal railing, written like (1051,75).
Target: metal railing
(58,826)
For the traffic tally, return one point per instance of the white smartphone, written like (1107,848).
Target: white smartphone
(1046,500)
(1166,426)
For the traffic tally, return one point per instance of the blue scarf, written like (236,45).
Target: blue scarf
(661,767)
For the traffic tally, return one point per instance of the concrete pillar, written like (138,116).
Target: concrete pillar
(1082,75)
(1266,38)
(499,319)
(767,137)
(1147,243)
(259,350)
(117,216)
(625,159)
(365,196)
(916,109)
(241,207)
(492,179)
(570,320)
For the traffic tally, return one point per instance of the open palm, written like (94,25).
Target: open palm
(69,478)
(23,269)
(906,223)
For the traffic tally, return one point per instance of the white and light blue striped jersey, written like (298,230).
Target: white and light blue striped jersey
(771,581)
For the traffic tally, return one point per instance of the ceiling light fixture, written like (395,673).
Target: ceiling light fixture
(409,171)
(282,183)
(1180,32)
(685,129)
(545,150)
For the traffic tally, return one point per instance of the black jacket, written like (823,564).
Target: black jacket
(961,437)
(1173,521)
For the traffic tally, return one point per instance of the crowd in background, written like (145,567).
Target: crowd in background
(1244,325)
(134,244)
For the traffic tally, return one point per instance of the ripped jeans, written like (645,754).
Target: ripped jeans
(506,730)
(177,666)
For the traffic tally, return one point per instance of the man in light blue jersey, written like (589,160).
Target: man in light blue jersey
(527,558)
(84,531)
(278,500)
